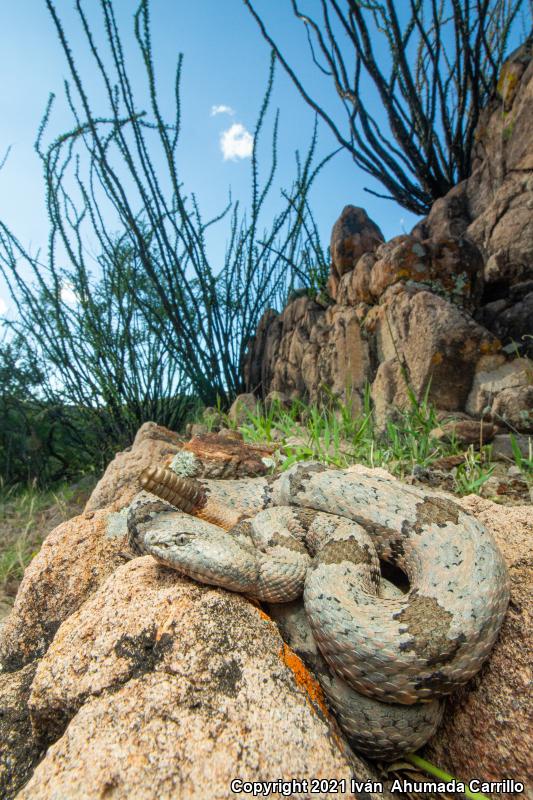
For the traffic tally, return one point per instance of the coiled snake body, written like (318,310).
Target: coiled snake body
(321,533)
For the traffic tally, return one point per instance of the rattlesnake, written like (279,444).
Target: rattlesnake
(321,533)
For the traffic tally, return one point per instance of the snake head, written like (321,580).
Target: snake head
(201,551)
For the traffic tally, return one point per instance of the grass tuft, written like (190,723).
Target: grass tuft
(331,433)
(27,515)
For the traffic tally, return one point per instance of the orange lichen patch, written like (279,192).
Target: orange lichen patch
(437,358)
(488,346)
(403,273)
(257,605)
(508,83)
(472,346)
(304,679)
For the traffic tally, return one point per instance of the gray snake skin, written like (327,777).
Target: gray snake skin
(321,533)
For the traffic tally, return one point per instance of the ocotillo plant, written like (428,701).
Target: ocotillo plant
(141,316)
(431,65)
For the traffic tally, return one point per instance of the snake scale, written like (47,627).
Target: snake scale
(321,534)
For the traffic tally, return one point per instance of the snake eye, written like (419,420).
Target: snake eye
(182,538)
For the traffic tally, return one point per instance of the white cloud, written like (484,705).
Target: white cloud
(236,142)
(3,306)
(222,110)
(68,295)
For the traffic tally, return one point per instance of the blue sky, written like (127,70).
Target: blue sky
(225,64)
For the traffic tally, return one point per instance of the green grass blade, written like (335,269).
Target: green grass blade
(431,769)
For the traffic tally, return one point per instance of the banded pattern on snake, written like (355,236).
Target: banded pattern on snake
(321,533)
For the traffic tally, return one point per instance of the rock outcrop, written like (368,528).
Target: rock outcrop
(493,208)
(117,487)
(436,308)
(75,558)
(353,235)
(500,190)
